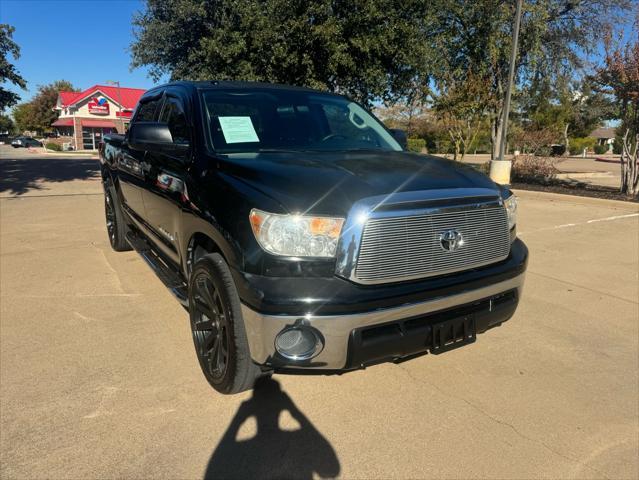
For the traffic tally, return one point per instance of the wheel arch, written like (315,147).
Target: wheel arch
(203,241)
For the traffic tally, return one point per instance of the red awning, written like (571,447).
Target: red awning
(63,122)
(98,123)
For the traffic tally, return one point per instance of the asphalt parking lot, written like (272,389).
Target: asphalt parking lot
(98,378)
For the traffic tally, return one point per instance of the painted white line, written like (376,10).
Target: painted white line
(594,220)
(613,218)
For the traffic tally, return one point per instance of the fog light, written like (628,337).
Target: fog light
(298,343)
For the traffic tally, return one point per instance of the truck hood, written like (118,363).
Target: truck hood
(328,183)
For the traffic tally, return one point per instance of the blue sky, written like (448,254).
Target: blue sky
(83,41)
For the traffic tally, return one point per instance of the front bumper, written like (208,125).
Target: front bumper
(490,302)
(341,330)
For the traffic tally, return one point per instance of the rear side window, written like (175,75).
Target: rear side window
(173,115)
(146,111)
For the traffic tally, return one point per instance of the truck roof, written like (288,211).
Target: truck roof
(224,84)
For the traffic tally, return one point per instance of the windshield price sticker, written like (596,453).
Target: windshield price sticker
(238,129)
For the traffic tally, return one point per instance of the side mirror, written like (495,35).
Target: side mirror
(154,137)
(400,136)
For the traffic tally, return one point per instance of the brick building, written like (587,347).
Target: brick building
(84,117)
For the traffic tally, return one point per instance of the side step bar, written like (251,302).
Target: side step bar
(171,279)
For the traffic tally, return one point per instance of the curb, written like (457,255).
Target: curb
(566,197)
(607,160)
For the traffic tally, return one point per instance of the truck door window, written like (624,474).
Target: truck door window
(173,115)
(146,111)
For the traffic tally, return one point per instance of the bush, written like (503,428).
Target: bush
(481,167)
(53,146)
(416,144)
(601,149)
(577,145)
(617,147)
(533,169)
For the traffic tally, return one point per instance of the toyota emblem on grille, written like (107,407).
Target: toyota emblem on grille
(451,240)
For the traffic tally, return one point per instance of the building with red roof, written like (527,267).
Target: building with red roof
(88,115)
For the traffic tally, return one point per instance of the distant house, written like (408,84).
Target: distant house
(604,136)
(84,117)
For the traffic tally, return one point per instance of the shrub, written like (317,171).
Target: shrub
(56,147)
(533,169)
(481,167)
(617,147)
(416,144)
(601,149)
(577,145)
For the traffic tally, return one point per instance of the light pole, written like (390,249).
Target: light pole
(500,168)
(117,82)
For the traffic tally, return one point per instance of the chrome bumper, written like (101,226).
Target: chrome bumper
(262,329)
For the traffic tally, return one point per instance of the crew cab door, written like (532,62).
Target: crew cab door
(132,164)
(165,193)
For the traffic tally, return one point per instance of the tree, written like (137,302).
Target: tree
(23,117)
(475,37)
(6,124)
(567,108)
(407,114)
(368,49)
(619,76)
(43,103)
(461,105)
(38,114)
(8,72)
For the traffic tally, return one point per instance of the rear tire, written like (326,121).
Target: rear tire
(116,226)
(218,329)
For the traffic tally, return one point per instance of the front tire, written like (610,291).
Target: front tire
(218,329)
(116,226)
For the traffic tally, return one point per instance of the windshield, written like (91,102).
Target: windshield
(241,120)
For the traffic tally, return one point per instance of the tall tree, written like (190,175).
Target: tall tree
(476,37)
(8,72)
(38,114)
(44,102)
(6,124)
(619,76)
(368,49)
(569,109)
(23,117)
(461,105)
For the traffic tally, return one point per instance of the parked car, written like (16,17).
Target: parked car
(25,142)
(301,235)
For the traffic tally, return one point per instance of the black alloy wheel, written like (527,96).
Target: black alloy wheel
(116,226)
(109,212)
(217,327)
(209,323)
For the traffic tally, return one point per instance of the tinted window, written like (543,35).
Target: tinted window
(146,111)
(242,120)
(173,115)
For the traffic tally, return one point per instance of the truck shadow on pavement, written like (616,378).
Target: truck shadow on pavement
(25,174)
(272,452)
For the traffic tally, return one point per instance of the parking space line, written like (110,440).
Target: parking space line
(594,220)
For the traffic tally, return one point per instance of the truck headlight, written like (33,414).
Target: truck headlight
(296,235)
(511,210)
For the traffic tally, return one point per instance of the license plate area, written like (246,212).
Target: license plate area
(453,333)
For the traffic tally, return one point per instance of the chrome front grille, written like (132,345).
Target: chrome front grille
(410,247)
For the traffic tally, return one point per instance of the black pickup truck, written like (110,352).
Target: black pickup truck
(300,235)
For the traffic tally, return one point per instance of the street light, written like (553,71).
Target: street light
(117,82)
(500,168)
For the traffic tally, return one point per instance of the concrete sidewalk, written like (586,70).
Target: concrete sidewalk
(574,169)
(98,378)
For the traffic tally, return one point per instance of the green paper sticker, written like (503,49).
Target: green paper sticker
(238,129)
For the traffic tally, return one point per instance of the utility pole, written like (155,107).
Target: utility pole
(500,168)
(117,82)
